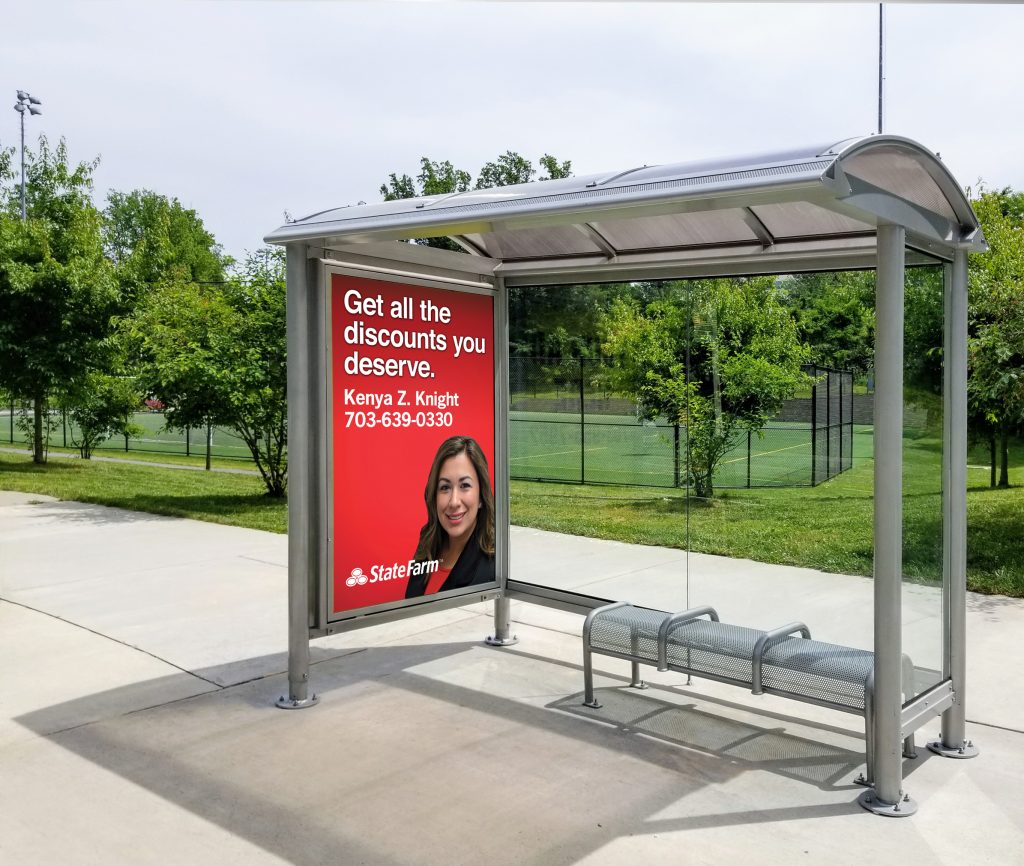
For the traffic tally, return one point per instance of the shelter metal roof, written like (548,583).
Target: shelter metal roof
(810,208)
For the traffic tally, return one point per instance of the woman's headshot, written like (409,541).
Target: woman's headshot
(459,533)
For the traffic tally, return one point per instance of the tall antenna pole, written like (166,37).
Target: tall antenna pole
(881,62)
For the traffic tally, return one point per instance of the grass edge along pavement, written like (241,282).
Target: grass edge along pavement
(828,527)
(217,497)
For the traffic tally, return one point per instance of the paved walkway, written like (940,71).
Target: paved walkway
(140,657)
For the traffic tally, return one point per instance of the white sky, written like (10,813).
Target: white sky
(243,110)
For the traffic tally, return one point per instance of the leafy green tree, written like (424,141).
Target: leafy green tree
(835,316)
(434,178)
(152,238)
(215,355)
(441,178)
(57,290)
(100,408)
(508,169)
(717,357)
(995,348)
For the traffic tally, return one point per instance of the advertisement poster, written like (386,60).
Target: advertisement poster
(412,415)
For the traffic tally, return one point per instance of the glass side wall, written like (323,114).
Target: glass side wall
(779,366)
(724,428)
(922,475)
(589,470)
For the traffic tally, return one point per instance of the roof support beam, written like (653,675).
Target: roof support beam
(754,223)
(466,244)
(598,239)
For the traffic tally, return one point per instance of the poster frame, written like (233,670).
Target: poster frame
(330,621)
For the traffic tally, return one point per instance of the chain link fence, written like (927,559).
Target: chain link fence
(567,424)
(154,438)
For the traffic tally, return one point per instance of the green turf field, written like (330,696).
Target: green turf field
(617,450)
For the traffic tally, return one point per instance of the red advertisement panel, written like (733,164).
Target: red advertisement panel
(412,415)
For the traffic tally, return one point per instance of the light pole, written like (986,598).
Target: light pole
(25,101)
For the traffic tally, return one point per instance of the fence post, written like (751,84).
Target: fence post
(675,454)
(840,424)
(583,432)
(748,460)
(828,425)
(814,429)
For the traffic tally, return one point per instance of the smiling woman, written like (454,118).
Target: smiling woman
(458,537)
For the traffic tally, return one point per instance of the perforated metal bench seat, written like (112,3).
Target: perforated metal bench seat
(824,673)
(783,661)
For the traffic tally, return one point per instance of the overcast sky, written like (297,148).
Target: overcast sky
(244,110)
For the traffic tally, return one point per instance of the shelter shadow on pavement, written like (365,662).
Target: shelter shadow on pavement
(399,724)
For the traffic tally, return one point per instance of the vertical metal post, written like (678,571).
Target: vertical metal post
(828,426)
(502,605)
(583,432)
(888,796)
(842,428)
(953,742)
(749,455)
(881,64)
(302,525)
(675,456)
(814,430)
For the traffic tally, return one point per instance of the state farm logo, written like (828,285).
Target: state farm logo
(356,578)
(396,571)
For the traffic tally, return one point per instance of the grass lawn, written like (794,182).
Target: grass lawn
(827,527)
(237,500)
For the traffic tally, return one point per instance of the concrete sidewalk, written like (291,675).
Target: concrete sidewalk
(140,657)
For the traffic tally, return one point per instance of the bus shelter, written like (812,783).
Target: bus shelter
(394,347)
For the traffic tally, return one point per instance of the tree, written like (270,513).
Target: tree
(151,238)
(835,316)
(442,178)
(102,407)
(215,355)
(435,178)
(995,346)
(717,357)
(57,291)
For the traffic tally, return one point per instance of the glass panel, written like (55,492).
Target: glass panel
(922,476)
(588,471)
(780,529)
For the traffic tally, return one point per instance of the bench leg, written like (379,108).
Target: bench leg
(634,648)
(909,748)
(867,778)
(588,679)
(636,683)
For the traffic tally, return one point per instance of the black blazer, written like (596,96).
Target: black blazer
(473,567)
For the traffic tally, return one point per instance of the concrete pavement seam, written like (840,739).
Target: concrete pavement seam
(113,639)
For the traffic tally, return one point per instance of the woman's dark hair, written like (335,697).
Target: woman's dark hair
(432,535)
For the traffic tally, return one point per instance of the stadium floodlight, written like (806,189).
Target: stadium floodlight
(25,101)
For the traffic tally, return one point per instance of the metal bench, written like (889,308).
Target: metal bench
(784,661)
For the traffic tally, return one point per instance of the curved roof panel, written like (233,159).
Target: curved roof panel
(820,197)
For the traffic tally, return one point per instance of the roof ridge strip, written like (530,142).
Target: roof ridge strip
(691,180)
